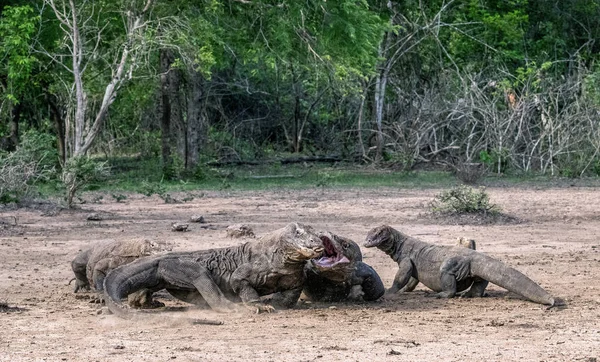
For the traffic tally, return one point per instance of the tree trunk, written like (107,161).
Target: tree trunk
(197,125)
(59,125)
(361,108)
(178,126)
(166,60)
(13,127)
(296,131)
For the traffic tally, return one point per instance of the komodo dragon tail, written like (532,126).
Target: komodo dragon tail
(129,278)
(126,279)
(498,273)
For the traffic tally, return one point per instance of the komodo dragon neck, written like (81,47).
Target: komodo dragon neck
(393,245)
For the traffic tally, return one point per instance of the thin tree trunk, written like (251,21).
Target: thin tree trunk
(13,127)
(196,121)
(165,64)
(59,125)
(359,122)
(178,126)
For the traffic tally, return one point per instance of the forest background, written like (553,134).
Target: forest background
(175,90)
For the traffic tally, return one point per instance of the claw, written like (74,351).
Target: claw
(261,308)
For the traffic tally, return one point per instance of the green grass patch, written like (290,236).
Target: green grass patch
(143,176)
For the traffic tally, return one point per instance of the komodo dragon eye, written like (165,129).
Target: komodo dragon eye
(345,245)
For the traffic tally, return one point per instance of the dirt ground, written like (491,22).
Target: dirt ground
(557,244)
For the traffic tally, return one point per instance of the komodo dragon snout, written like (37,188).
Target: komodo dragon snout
(302,241)
(377,236)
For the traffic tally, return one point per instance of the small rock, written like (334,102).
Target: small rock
(240,231)
(179,227)
(197,218)
(94,217)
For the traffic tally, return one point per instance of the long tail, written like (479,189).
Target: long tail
(498,273)
(126,279)
(129,278)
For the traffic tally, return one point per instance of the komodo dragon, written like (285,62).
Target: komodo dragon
(340,274)
(91,265)
(464,242)
(450,269)
(217,278)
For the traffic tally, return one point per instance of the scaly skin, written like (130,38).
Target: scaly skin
(91,265)
(463,242)
(218,278)
(340,275)
(448,270)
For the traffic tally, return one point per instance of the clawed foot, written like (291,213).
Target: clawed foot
(97,300)
(260,308)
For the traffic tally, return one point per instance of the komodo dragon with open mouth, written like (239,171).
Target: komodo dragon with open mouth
(340,274)
(448,270)
(217,278)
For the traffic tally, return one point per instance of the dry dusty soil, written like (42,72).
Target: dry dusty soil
(557,244)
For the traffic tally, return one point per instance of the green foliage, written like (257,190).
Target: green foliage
(80,171)
(151,188)
(325,178)
(575,164)
(157,188)
(463,200)
(496,160)
(33,161)
(119,197)
(17,27)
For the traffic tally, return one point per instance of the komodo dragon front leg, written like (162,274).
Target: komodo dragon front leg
(403,276)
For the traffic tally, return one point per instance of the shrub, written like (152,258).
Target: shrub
(463,200)
(80,171)
(34,160)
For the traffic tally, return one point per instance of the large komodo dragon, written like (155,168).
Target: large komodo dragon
(92,265)
(449,270)
(217,278)
(340,274)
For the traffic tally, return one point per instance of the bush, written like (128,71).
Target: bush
(463,200)
(34,160)
(80,171)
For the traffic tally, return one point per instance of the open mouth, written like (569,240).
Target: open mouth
(331,257)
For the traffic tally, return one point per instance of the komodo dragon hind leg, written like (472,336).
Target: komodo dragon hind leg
(285,299)
(189,296)
(370,282)
(477,289)
(188,274)
(453,270)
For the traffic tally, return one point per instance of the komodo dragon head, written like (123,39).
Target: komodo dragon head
(338,258)
(300,242)
(381,237)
